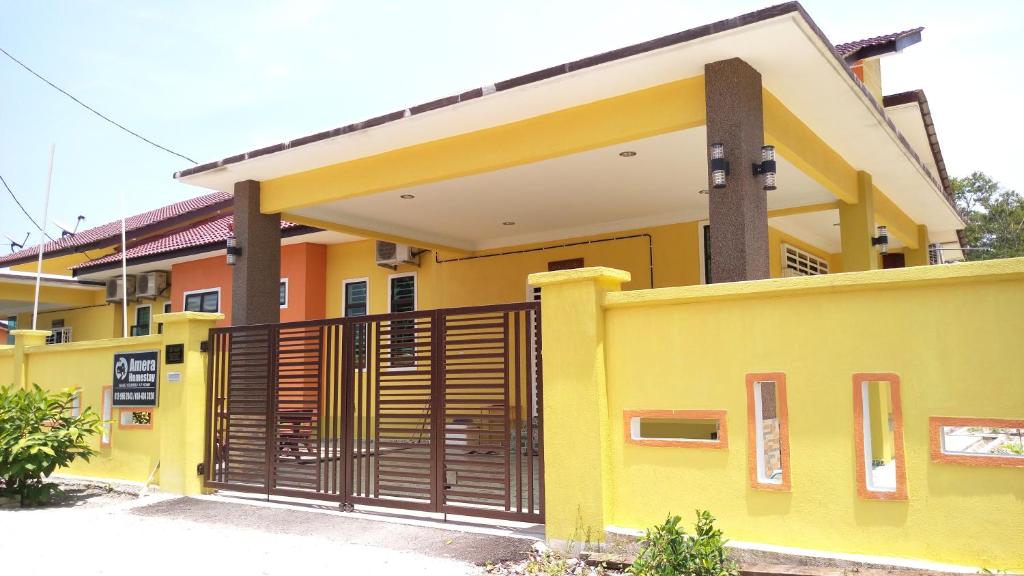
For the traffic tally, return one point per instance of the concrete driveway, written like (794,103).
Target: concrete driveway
(160,535)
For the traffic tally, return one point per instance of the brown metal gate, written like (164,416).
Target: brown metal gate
(436,410)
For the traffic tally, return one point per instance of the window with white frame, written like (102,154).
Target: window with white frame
(283,291)
(797,262)
(143,316)
(203,300)
(402,298)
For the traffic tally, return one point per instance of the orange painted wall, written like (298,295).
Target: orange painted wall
(302,264)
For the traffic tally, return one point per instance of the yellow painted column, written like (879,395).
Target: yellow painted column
(183,402)
(575,401)
(25,339)
(880,414)
(918,256)
(857,228)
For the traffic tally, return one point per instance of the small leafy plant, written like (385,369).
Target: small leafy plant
(38,434)
(668,550)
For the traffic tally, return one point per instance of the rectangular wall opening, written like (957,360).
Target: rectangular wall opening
(880,435)
(694,428)
(768,431)
(977,441)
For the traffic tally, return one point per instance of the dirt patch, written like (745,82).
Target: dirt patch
(79,494)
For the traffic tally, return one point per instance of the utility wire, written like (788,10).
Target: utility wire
(25,212)
(31,219)
(93,110)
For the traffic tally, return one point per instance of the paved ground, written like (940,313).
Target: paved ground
(157,535)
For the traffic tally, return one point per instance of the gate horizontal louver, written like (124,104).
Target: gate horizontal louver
(433,410)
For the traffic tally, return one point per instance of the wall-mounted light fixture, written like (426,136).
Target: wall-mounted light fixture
(882,240)
(719,166)
(231,246)
(766,169)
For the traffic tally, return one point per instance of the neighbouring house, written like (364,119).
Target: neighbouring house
(5,330)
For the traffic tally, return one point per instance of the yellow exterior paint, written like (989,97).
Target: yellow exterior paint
(496,279)
(900,225)
(919,256)
(691,347)
(806,150)
(880,415)
(776,238)
(666,108)
(575,409)
(857,228)
(62,264)
(871,71)
(175,439)
(6,365)
(133,453)
(70,297)
(97,321)
(183,404)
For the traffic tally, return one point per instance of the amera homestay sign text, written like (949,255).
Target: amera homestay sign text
(136,375)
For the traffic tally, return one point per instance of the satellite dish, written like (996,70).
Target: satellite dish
(66,230)
(15,243)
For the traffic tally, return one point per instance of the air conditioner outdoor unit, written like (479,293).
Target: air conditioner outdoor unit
(115,293)
(390,255)
(150,284)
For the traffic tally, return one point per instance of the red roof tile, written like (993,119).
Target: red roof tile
(851,47)
(110,232)
(210,233)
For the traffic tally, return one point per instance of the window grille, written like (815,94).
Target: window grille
(796,262)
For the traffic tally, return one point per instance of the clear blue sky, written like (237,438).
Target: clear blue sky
(211,79)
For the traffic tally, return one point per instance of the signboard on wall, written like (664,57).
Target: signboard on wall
(136,376)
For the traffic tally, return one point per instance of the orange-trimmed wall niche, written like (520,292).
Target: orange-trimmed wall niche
(719,415)
(782,412)
(863,490)
(935,424)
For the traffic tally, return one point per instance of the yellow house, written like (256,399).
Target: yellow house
(642,282)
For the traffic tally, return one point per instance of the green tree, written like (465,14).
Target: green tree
(994,216)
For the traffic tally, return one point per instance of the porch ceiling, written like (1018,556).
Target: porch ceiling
(591,192)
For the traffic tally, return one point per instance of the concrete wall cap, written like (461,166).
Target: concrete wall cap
(172,317)
(984,271)
(595,274)
(144,342)
(27,332)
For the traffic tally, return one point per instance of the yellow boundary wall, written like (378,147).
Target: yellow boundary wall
(174,439)
(951,334)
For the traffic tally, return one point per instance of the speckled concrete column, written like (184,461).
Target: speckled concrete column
(738,212)
(256,278)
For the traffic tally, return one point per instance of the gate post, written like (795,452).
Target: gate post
(182,406)
(575,401)
(24,339)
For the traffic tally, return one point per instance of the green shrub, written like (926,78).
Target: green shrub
(37,436)
(668,550)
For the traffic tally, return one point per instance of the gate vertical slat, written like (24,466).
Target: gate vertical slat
(439,436)
(504,444)
(517,425)
(273,337)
